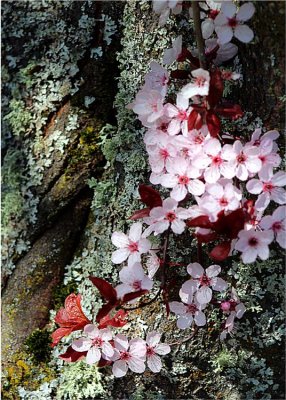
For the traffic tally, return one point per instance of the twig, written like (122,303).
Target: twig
(198,32)
(141,305)
(196,329)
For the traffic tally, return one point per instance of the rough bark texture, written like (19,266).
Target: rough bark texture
(73,225)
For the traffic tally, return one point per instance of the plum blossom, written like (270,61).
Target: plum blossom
(270,187)
(160,154)
(254,244)
(152,264)
(224,53)
(96,344)
(172,54)
(179,116)
(205,279)
(242,161)
(181,177)
(130,355)
(169,215)
(157,79)
(208,25)
(133,279)
(199,85)
(130,246)
(277,223)
(229,22)
(219,196)
(153,349)
(148,104)
(163,8)
(190,310)
(235,308)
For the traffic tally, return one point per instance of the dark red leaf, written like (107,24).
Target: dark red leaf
(180,74)
(221,251)
(216,88)
(105,310)
(186,54)
(201,222)
(150,196)
(103,363)
(232,111)
(209,237)
(106,290)
(131,296)
(71,355)
(118,320)
(195,120)
(213,123)
(140,214)
(235,220)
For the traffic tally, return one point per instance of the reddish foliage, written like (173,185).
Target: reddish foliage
(118,320)
(71,355)
(71,318)
(151,198)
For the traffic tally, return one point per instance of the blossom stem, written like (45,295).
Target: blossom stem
(198,32)
(199,253)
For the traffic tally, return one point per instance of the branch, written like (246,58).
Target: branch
(198,31)
(179,342)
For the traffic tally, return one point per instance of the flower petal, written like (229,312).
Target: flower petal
(93,355)
(154,363)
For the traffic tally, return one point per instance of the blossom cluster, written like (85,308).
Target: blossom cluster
(220,188)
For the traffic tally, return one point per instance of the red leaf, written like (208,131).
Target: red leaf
(232,111)
(103,363)
(213,123)
(59,334)
(150,196)
(105,310)
(71,355)
(106,290)
(179,74)
(195,120)
(140,214)
(216,88)
(117,321)
(202,222)
(131,296)
(221,251)
(209,237)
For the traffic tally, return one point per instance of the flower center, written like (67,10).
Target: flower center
(124,355)
(223,202)
(277,226)
(199,139)
(192,308)
(217,160)
(232,22)
(133,246)
(253,242)
(267,187)
(171,216)
(97,342)
(184,180)
(150,351)
(163,127)
(241,158)
(182,116)
(136,285)
(213,13)
(205,280)
(200,81)
(154,107)
(164,153)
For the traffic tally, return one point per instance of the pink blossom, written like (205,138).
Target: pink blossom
(96,344)
(190,310)
(254,244)
(208,24)
(157,79)
(242,160)
(172,54)
(277,223)
(163,8)
(206,279)
(128,355)
(179,116)
(199,85)
(131,246)
(153,349)
(133,279)
(181,177)
(235,308)
(169,215)
(148,104)
(159,155)
(224,53)
(270,187)
(152,264)
(229,23)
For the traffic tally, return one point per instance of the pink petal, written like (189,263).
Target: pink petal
(200,318)
(240,310)
(177,308)
(153,338)
(219,284)
(136,365)
(213,271)
(245,12)
(169,204)
(254,186)
(228,9)
(184,321)
(196,187)
(162,349)
(207,28)
(204,295)
(93,355)
(119,256)
(121,342)
(278,195)
(105,334)
(178,226)
(82,344)
(224,34)
(195,270)
(249,256)
(135,232)
(144,246)
(107,349)
(179,192)
(119,239)
(154,363)
(243,33)
(119,368)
